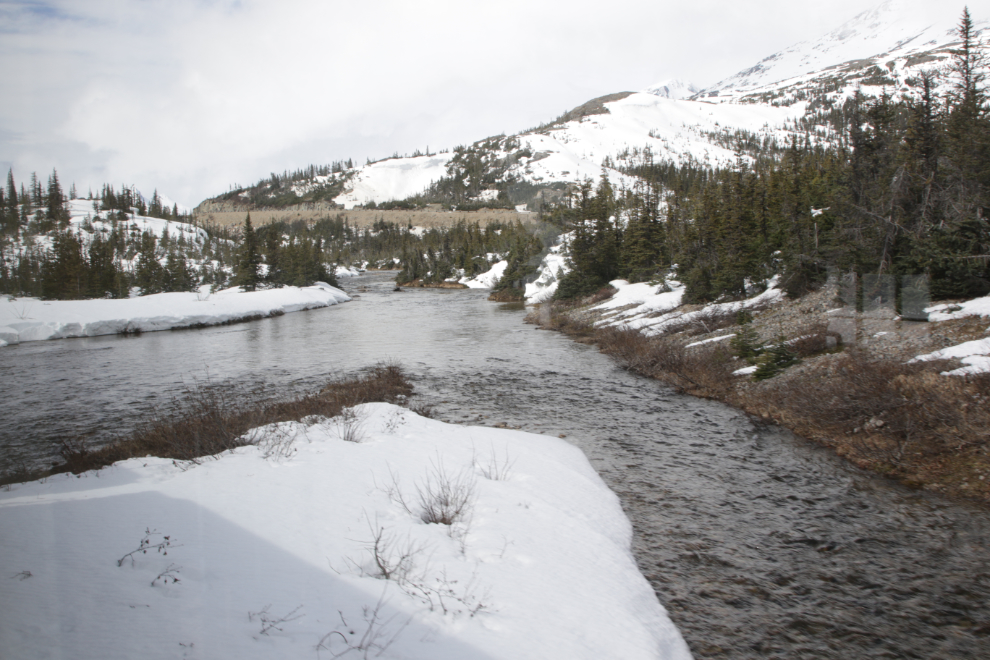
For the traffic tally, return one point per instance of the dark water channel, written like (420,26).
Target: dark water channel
(761,545)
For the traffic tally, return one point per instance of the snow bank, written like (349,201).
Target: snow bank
(30,319)
(271,556)
(652,310)
(974,354)
(553,265)
(945,312)
(488,279)
(346,271)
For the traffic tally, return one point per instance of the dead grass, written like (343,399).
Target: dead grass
(556,315)
(704,371)
(902,420)
(206,421)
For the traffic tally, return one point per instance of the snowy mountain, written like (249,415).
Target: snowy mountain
(672,88)
(881,50)
(891,30)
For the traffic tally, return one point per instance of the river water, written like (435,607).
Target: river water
(760,544)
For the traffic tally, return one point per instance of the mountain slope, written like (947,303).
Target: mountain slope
(881,50)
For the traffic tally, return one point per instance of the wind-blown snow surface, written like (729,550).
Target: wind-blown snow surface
(544,560)
(30,319)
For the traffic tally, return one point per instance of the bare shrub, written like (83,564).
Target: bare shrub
(146,544)
(170,574)
(398,560)
(883,410)
(272,622)
(557,315)
(394,558)
(703,370)
(813,340)
(276,441)
(423,409)
(603,294)
(349,424)
(495,467)
(444,499)
(206,421)
(378,635)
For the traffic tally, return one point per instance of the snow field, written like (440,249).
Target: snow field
(30,319)
(539,566)
(393,179)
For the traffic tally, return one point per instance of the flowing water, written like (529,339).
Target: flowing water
(760,544)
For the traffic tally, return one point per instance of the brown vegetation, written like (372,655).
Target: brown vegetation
(207,421)
(900,419)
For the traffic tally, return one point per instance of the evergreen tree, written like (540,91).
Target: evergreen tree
(64,273)
(248,269)
(55,199)
(11,191)
(149,275)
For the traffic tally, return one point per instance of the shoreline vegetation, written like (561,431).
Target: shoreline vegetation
(863,399)
(207,421)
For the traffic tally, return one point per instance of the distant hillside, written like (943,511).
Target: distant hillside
(798,93)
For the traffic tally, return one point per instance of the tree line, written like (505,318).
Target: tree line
(905,192)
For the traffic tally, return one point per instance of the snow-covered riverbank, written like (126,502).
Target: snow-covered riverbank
(271,552)
(30,319)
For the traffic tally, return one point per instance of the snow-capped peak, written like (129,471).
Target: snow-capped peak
(892,25)
(672,88)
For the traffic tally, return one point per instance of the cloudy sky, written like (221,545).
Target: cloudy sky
(193,96)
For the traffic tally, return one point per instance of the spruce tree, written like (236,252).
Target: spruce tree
(248,269)
(149,273)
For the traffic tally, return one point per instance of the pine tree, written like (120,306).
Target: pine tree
(248,271)
(149,274)
(11,191)
(64,271)
(56,202)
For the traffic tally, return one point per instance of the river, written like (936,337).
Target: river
(760,544)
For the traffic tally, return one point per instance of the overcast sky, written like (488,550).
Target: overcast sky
(192,96)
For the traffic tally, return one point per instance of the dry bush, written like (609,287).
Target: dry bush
(207,422)
(445,499)
(704,370)
(557,315)
(603,294)
(883,410)
(813,339)
(707,320)
(423,409)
